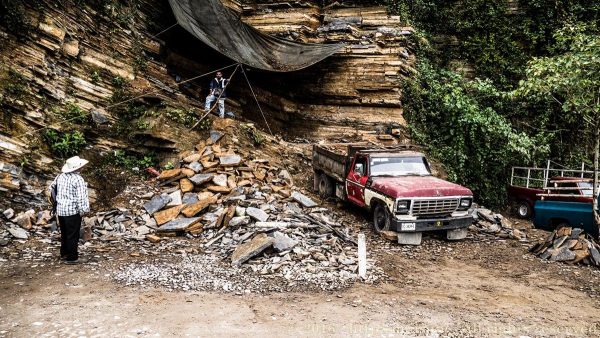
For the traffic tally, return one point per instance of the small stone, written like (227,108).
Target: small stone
(230,160)
(99,118)
(200,179)
(304,200)
(220,180)
(195,166)
(189,198)
(239,220)
(167,174)
(215,136)
(194,209)
(142,230)
(186,185)
(153,238)
(175,198)
(157,203)
(389,235)
(179,224)
(188,172)
(219,189)
(240,211)
(192,158)
(282,242)
(8,213)
(250,249)
(257,214)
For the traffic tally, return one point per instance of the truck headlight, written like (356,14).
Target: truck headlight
(465,203)
(403,207)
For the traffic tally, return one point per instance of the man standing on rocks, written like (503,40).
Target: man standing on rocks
(71,203)
(217,91)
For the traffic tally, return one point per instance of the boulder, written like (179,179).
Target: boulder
(246,251)
(23,220)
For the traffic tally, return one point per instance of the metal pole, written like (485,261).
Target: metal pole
(528,174)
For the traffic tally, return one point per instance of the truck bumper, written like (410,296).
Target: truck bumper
(433,224)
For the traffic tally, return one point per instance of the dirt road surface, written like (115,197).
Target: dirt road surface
(476,287)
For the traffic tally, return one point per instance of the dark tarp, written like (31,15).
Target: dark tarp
(220,28)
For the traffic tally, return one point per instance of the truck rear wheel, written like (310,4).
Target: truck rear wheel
(524,209)
(381,218)
(325,186)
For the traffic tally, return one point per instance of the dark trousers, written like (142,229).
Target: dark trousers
(69,236)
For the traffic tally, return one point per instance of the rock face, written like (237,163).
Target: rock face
(357,88)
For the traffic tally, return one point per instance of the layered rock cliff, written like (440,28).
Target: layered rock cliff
(99,68)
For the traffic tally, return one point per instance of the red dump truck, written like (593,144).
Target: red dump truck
(394,183)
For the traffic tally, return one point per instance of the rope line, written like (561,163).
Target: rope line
(218,98)
(129,100)
(257,103)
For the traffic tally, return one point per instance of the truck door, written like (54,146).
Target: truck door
(356,180)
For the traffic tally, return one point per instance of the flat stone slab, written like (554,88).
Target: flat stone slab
(282,242)
(167,174)
(215,136)
(175,198)
(196,166)
(230,160)
(18,233)
(189,198)
(220,180)
(246,251)
(200,179)
(179,224)
(563,254)
(257,214)
(167,215)
(306,201)
(156,203)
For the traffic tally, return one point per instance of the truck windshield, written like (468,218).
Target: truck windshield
(399,166)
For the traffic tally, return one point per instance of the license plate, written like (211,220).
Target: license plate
(408,226)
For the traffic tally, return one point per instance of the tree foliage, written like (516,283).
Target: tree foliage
(476,144)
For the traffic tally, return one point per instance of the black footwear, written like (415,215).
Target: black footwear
(77,261)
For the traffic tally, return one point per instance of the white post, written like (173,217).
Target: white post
(362,256)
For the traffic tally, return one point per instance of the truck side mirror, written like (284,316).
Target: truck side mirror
(359,169)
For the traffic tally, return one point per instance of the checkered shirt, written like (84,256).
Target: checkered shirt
(71,194)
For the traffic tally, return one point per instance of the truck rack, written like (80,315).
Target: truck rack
(541,178)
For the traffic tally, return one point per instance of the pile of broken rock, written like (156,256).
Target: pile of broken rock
(570,245)
(250,214)
(490,223)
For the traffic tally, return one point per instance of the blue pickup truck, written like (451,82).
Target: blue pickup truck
(555,214)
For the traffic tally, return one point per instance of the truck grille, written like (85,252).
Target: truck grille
(434,207)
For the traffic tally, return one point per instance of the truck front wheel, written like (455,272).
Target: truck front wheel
(381,218)
(325,186)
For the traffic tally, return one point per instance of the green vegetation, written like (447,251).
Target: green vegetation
(253,134)
(132,162)
(474,123)
(73,113)
(64,144)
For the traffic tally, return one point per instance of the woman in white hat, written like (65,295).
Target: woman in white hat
(71,203)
